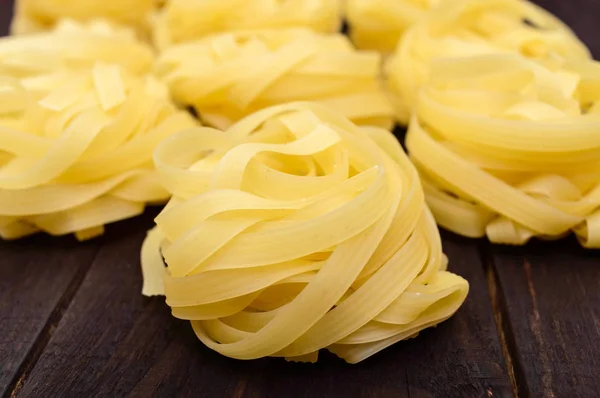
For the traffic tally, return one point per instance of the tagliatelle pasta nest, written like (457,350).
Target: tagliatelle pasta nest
(80,157)
(295,231)
(229,76)
(72,45)
(379,24)
(510,149)
(185,20)
(460,28)
(40,15)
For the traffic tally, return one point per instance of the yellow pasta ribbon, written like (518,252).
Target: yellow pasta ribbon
(72,45)
(40,15)
(295,231)
(510,148)
(185,20)
(460,28)
(80,156)
(379,24)
(228,76)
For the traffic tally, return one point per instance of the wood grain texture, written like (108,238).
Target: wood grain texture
(113,342)
(38,278)
(551,291)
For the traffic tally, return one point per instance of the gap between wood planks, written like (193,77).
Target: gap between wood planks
(47,331)
(503,326)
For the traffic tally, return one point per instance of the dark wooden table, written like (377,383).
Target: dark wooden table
(74,324)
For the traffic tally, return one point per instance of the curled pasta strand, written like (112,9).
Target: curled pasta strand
(262,273)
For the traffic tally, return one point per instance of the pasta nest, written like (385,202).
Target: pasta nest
(72,45)
(379,24)
(81,156)
(184,20)
(462,28)
(40,15)
(274,245)
(228,76)
(510,149)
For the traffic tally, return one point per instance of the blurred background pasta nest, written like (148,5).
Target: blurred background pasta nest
(79,156)
(185,20)
(509,148)
(228,76)
(463,28)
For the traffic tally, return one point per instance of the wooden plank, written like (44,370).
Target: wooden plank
(114,342)
(552,307)
(6,11)
(38,278)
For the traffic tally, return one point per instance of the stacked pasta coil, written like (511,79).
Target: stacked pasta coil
(295,231)
(70,46)
(39,15)
(185,20)
(379,24)
(79,157)
(510,148)
(228,76)
(461,28)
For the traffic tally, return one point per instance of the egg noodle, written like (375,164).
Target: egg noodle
(39,15)
(510,148)
(73,45)
(80,156)
(185,20)
(379,24)
(274,246)
(460,28)
(228,76)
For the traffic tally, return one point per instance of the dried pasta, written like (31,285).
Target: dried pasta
(80,156)
(40,15)
(72,45)
(510,148)
(189,20)
(228,76)
(460,28)
(379,24)
(295,231)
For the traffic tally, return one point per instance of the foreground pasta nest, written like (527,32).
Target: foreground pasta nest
(79,156)
(460,28)
(228,76)
(510,148)
(184,20)
(294,231)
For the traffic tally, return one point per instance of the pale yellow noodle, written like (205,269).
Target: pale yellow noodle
(297,231)
(71,45)
(379,24)
(461,28)
(80,156)
(228,76)
(190,20)
(511,160)
(40,15)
